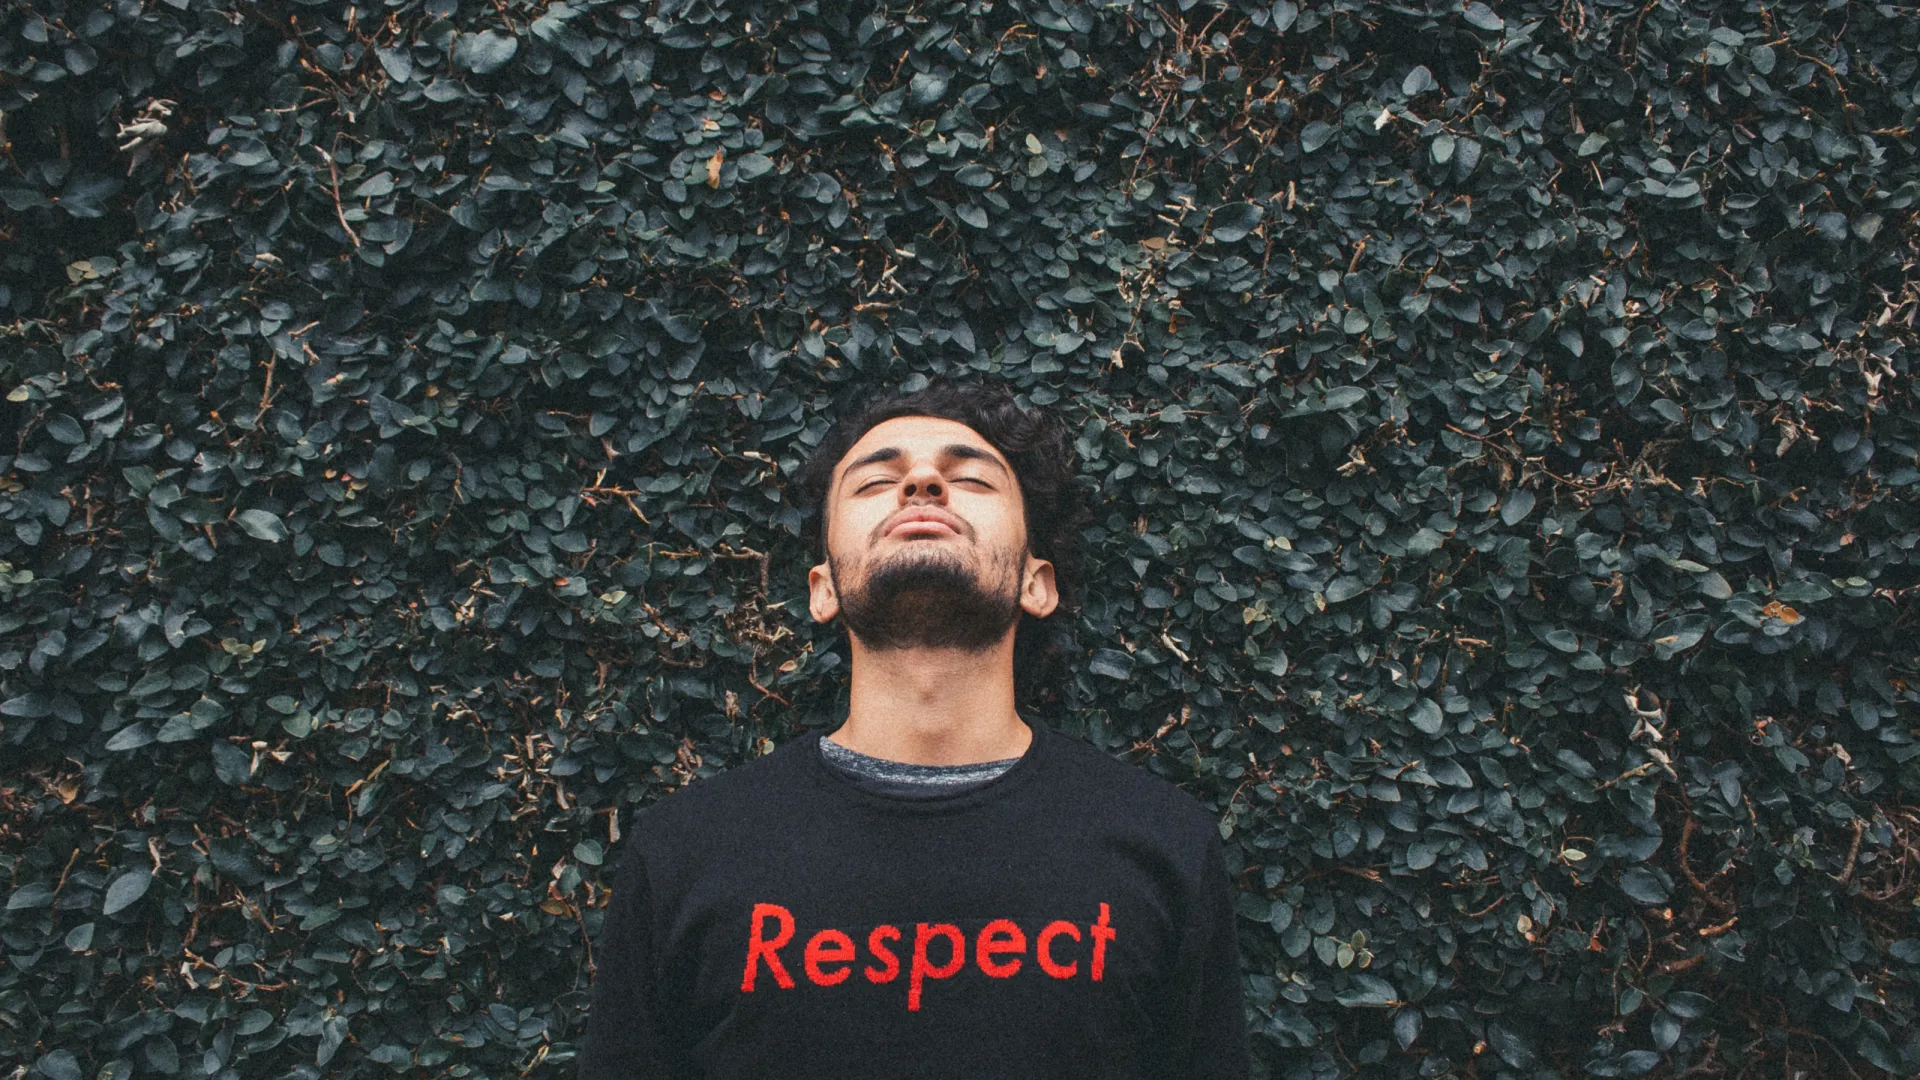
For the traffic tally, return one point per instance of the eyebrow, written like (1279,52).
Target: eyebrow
(961,451)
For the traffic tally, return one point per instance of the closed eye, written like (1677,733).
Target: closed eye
(984,484)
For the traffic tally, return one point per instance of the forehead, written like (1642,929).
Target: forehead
(917,438)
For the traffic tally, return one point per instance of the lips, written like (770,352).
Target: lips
(925,522)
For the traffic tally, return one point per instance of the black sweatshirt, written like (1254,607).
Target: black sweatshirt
(1072,917)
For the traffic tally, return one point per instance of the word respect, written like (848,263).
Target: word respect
(999,950)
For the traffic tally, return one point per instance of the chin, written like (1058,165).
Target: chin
(922,568)
(929,598)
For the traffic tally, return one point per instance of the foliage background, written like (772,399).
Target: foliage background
(1501,419)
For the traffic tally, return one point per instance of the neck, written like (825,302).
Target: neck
(934,706)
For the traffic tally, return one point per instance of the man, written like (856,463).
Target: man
(941,887)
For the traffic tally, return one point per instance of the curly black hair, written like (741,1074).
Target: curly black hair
(1037,445)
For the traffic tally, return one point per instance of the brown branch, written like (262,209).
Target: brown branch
(245,986)
(1686,868)
(624,494)
(266,395)
(753,679)
(1719,928)
(1488,908)
(1688,963)
(333,172)
(1853,852)
(54,904)
(1146,142)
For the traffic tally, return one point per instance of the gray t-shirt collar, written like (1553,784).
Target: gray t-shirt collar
(908,780)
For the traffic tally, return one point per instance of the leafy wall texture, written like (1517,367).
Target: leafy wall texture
(1501,418)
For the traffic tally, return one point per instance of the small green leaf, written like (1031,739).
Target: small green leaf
(1345,397)
(1645,885)
(34,895)
(127,889)
(1344,588)
(1801,592)
(398,63)
(261,525)
(1636,1063)
(34,703)
(1482,17)
(58,1065)
(1234,221)
(1689,1005)
(1425,541)
(926,89)
(231,764)
(1368,992)
(66,429)
(1517,507)
(1406,1027)
(134,735)
(1510,1046)
(380,183)
(1666,1031)
(484,53)
(1112,663)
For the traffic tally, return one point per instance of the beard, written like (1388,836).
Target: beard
(930,600)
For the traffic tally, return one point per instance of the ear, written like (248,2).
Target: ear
(822,602)
(1038,593)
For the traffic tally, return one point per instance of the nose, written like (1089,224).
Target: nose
(923,483)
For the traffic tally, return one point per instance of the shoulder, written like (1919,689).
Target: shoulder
(1117,806)
(736,798)
(1130,792)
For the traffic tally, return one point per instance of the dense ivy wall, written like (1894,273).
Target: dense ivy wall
(1500,415)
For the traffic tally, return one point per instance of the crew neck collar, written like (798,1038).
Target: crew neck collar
(1017,776)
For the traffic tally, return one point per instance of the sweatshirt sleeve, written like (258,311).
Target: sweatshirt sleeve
(624,1026)
(1205,1037)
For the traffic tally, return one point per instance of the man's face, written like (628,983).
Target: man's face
(926,541)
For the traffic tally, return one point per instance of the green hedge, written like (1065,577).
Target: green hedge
(1500,415)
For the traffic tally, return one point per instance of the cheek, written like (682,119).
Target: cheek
(851,531)
(997,524)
